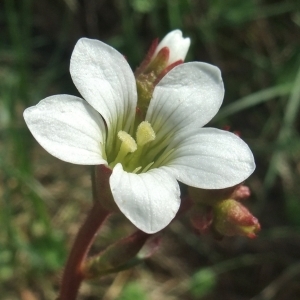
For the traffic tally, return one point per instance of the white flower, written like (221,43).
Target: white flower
(148,158)
(177,45)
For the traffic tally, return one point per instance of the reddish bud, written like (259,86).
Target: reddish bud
(232,218)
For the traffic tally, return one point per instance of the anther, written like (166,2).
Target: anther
(144,134)
(128,143)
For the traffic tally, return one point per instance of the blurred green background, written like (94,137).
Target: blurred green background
(256,44)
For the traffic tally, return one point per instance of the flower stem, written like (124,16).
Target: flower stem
(73,275)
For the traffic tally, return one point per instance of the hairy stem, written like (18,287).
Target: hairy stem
(73,275)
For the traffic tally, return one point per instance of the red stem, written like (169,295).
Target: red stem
(73,275)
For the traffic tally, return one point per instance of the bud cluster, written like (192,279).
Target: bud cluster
(221,212)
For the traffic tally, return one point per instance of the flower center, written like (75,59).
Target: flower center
(131,150)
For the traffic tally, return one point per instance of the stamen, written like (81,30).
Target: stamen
(144,134)
(147,167)
(128,145)
(136,170)
(162,158)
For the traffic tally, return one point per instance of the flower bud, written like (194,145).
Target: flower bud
(177,45)
(232,218)
(116,256)
(171,51)
(160,59)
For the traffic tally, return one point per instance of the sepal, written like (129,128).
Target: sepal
(209,197)
(119,256)
(101,188)
(202,218)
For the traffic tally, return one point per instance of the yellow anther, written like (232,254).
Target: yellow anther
(128,143)
(144,134)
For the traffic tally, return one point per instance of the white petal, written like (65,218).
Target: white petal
(105,80)
(177,45)
(149,200)
(211,159)
(68,128)
(185,100)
